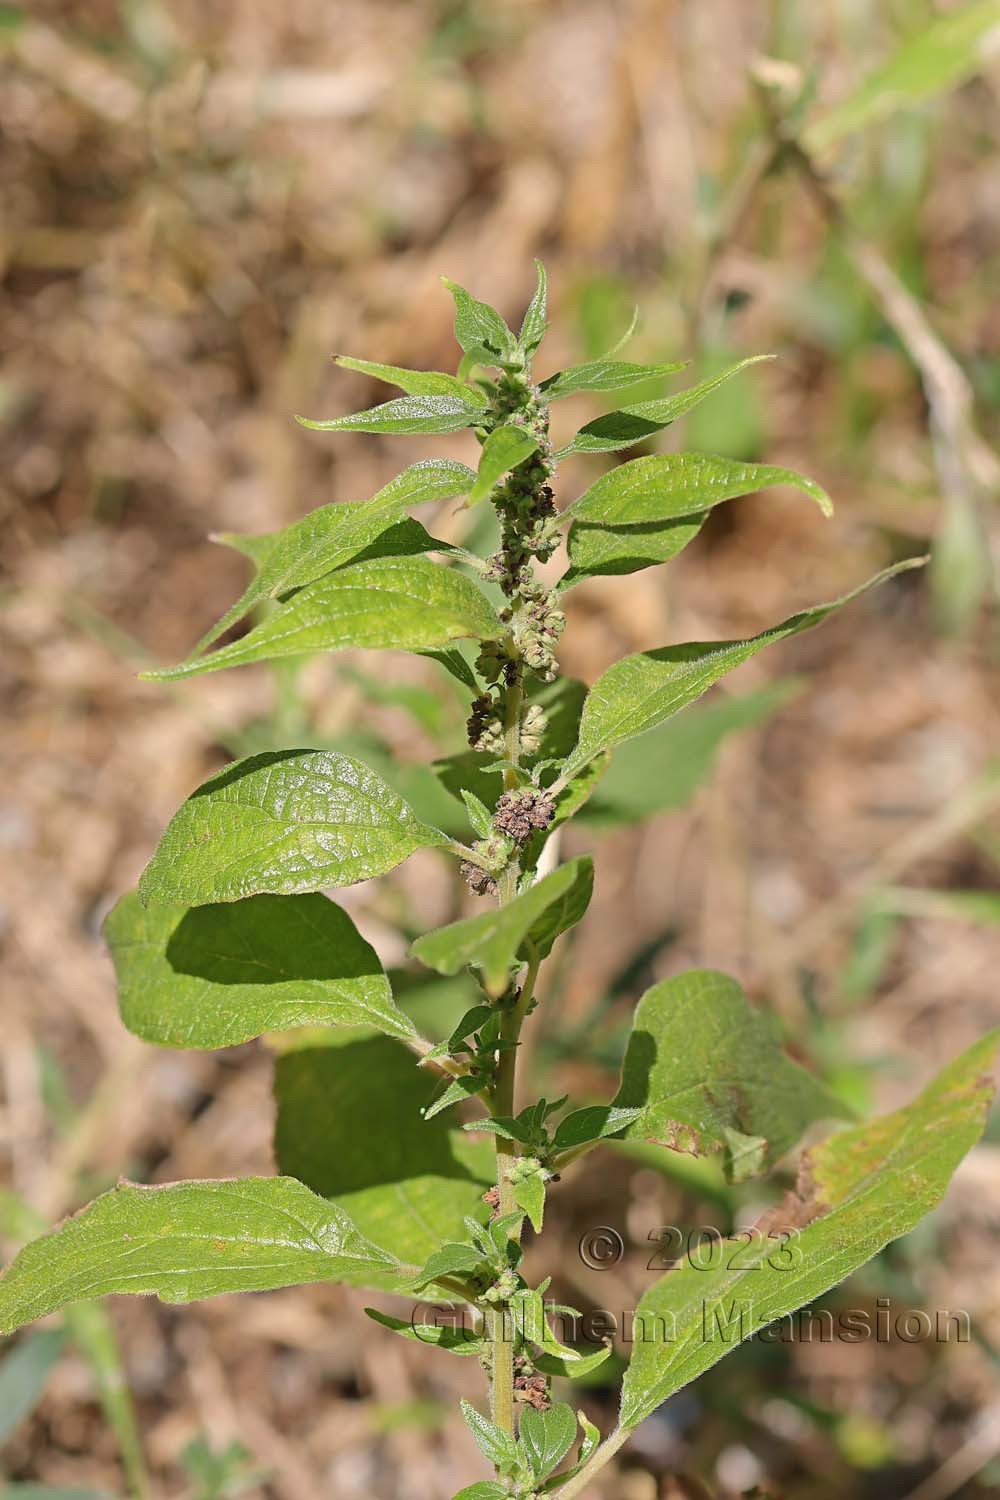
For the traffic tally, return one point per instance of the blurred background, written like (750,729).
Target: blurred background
(202,201)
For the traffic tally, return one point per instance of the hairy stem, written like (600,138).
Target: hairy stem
(604,1454)
(512,730)
(499,1323)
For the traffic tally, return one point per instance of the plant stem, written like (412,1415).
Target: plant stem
(499,1323)
(499,1327)
(605,1453)
(512,729)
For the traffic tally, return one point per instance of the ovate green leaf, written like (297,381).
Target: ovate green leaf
(350,1126)
(547,1436)
(500,1447)
(449,1261)
(634,424)
(604,551)
(702,1061)
(479,326)
(564,908)
(504,449)
(336,534)
(407,414)
(214,976)
(667,486)
(455,1339)
(415,382)
(493,940)
(188,1240)
(529,1195)
(594,1123)
(862,1188)
(283,822)
(602,375)
(641,691)
(952,47)
(394,603)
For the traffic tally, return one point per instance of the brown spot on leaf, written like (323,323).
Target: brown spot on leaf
(799,1207)
(677,1136)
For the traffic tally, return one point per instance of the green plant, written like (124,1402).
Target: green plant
(229,937)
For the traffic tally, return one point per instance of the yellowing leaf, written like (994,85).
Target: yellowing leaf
(860,1189)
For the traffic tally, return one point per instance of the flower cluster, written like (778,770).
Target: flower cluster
(537,630)
(484,726)
(521,812)
(529,1385)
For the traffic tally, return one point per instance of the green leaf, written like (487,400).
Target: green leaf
(504,449)
(283,822)
(470,1022)
(24,1373)
(668,486)
(349,1125)
(492,941)
(591,1437)
(486,1489)
(394,603)
(415,382)
(547,1436)
(602,375)
(407,414)
(588,1444)
(634,424)
(456,1092)
(641,691)
(479,326)
(479,816)
(528,1313)
(500,1447)
(535,323)
(188,1240)
(215,976)
(953,47)
(702,1061)
(571,1369)
(450,1260)
(529,1195)
(862,1188)
(565,909)
(593,1124)
(455,664)
(605,551)
(335,534)
(663,769)
(619,344)
(456,1340)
